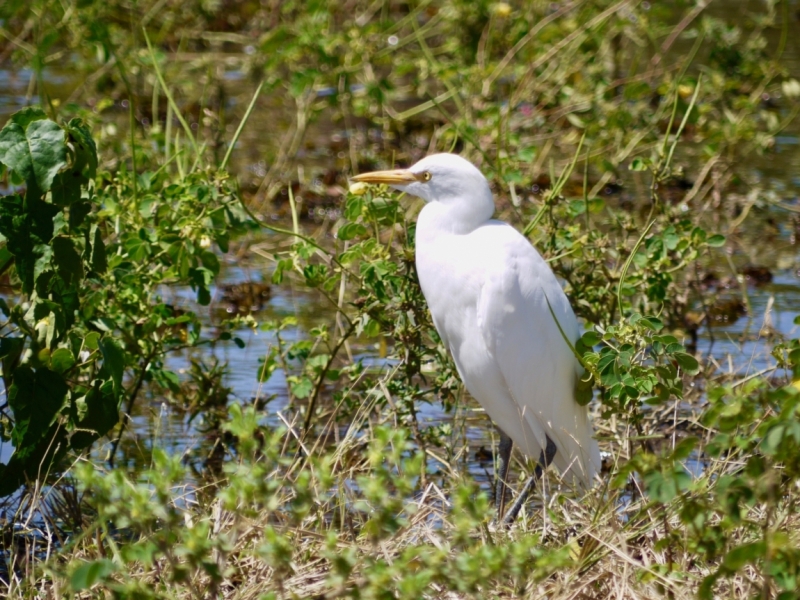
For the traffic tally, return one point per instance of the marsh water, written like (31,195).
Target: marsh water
(738,342)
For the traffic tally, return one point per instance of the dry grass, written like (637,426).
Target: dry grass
(331,537)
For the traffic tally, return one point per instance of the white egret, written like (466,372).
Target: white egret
(488,291)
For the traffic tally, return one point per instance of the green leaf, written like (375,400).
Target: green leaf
(27,225)
(674,347)
(687,362)
(66,188)
(353,208)
(596,205)
(743,555)
(684,448)
(266,368)
(62,360)
(26,116)
(706,589)
(652,323)
(5,258)
(98,260)
(348,231)
(584,391)
(68,261)
(715,241)
(86,575)
(77,214)
(10,352)
(663,487)
(90,342)
(35,460)
(84,148)
(302,388)
(638,165)
(169,379)
(773,439)
(210,261)
(113,361)
(203,296)
(590,339)
(101,414)
(138,249)
(35,397)
(34,147)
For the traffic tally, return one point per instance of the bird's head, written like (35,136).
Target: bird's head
(443,178)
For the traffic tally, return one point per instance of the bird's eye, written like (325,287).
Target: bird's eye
(424,176)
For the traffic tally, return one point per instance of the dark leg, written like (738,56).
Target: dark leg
(545,458)
(501,490)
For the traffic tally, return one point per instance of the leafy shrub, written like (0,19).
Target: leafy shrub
(86,327)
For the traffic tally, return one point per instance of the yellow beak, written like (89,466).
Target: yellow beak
(395,177)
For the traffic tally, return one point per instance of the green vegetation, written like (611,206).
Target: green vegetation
(133,186)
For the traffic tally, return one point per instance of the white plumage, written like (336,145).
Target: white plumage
(488,290)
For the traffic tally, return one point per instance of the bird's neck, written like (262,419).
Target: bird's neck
(455,218)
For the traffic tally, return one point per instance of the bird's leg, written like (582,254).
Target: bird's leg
(501,490)
(545,458)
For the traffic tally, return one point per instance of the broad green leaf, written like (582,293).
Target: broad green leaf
(684,448)
(35,397)
(101,414)
(77,213)
(10,352)
(584,391)
(773,439)
(34,147)
(62,360)
(674,347)
(27,225)
(687,362)
(86,575)
(590,339)
(26,116)
(113,361)
(84,148)
(706,589)
(210,262)
(68,261)
(90,342)
(302,388)
(743,555)
(203,296)
(66,188)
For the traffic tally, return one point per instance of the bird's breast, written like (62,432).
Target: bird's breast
(450,278)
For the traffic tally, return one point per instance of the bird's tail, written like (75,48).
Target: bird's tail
(578,457)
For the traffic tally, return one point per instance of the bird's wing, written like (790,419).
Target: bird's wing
(538,366)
